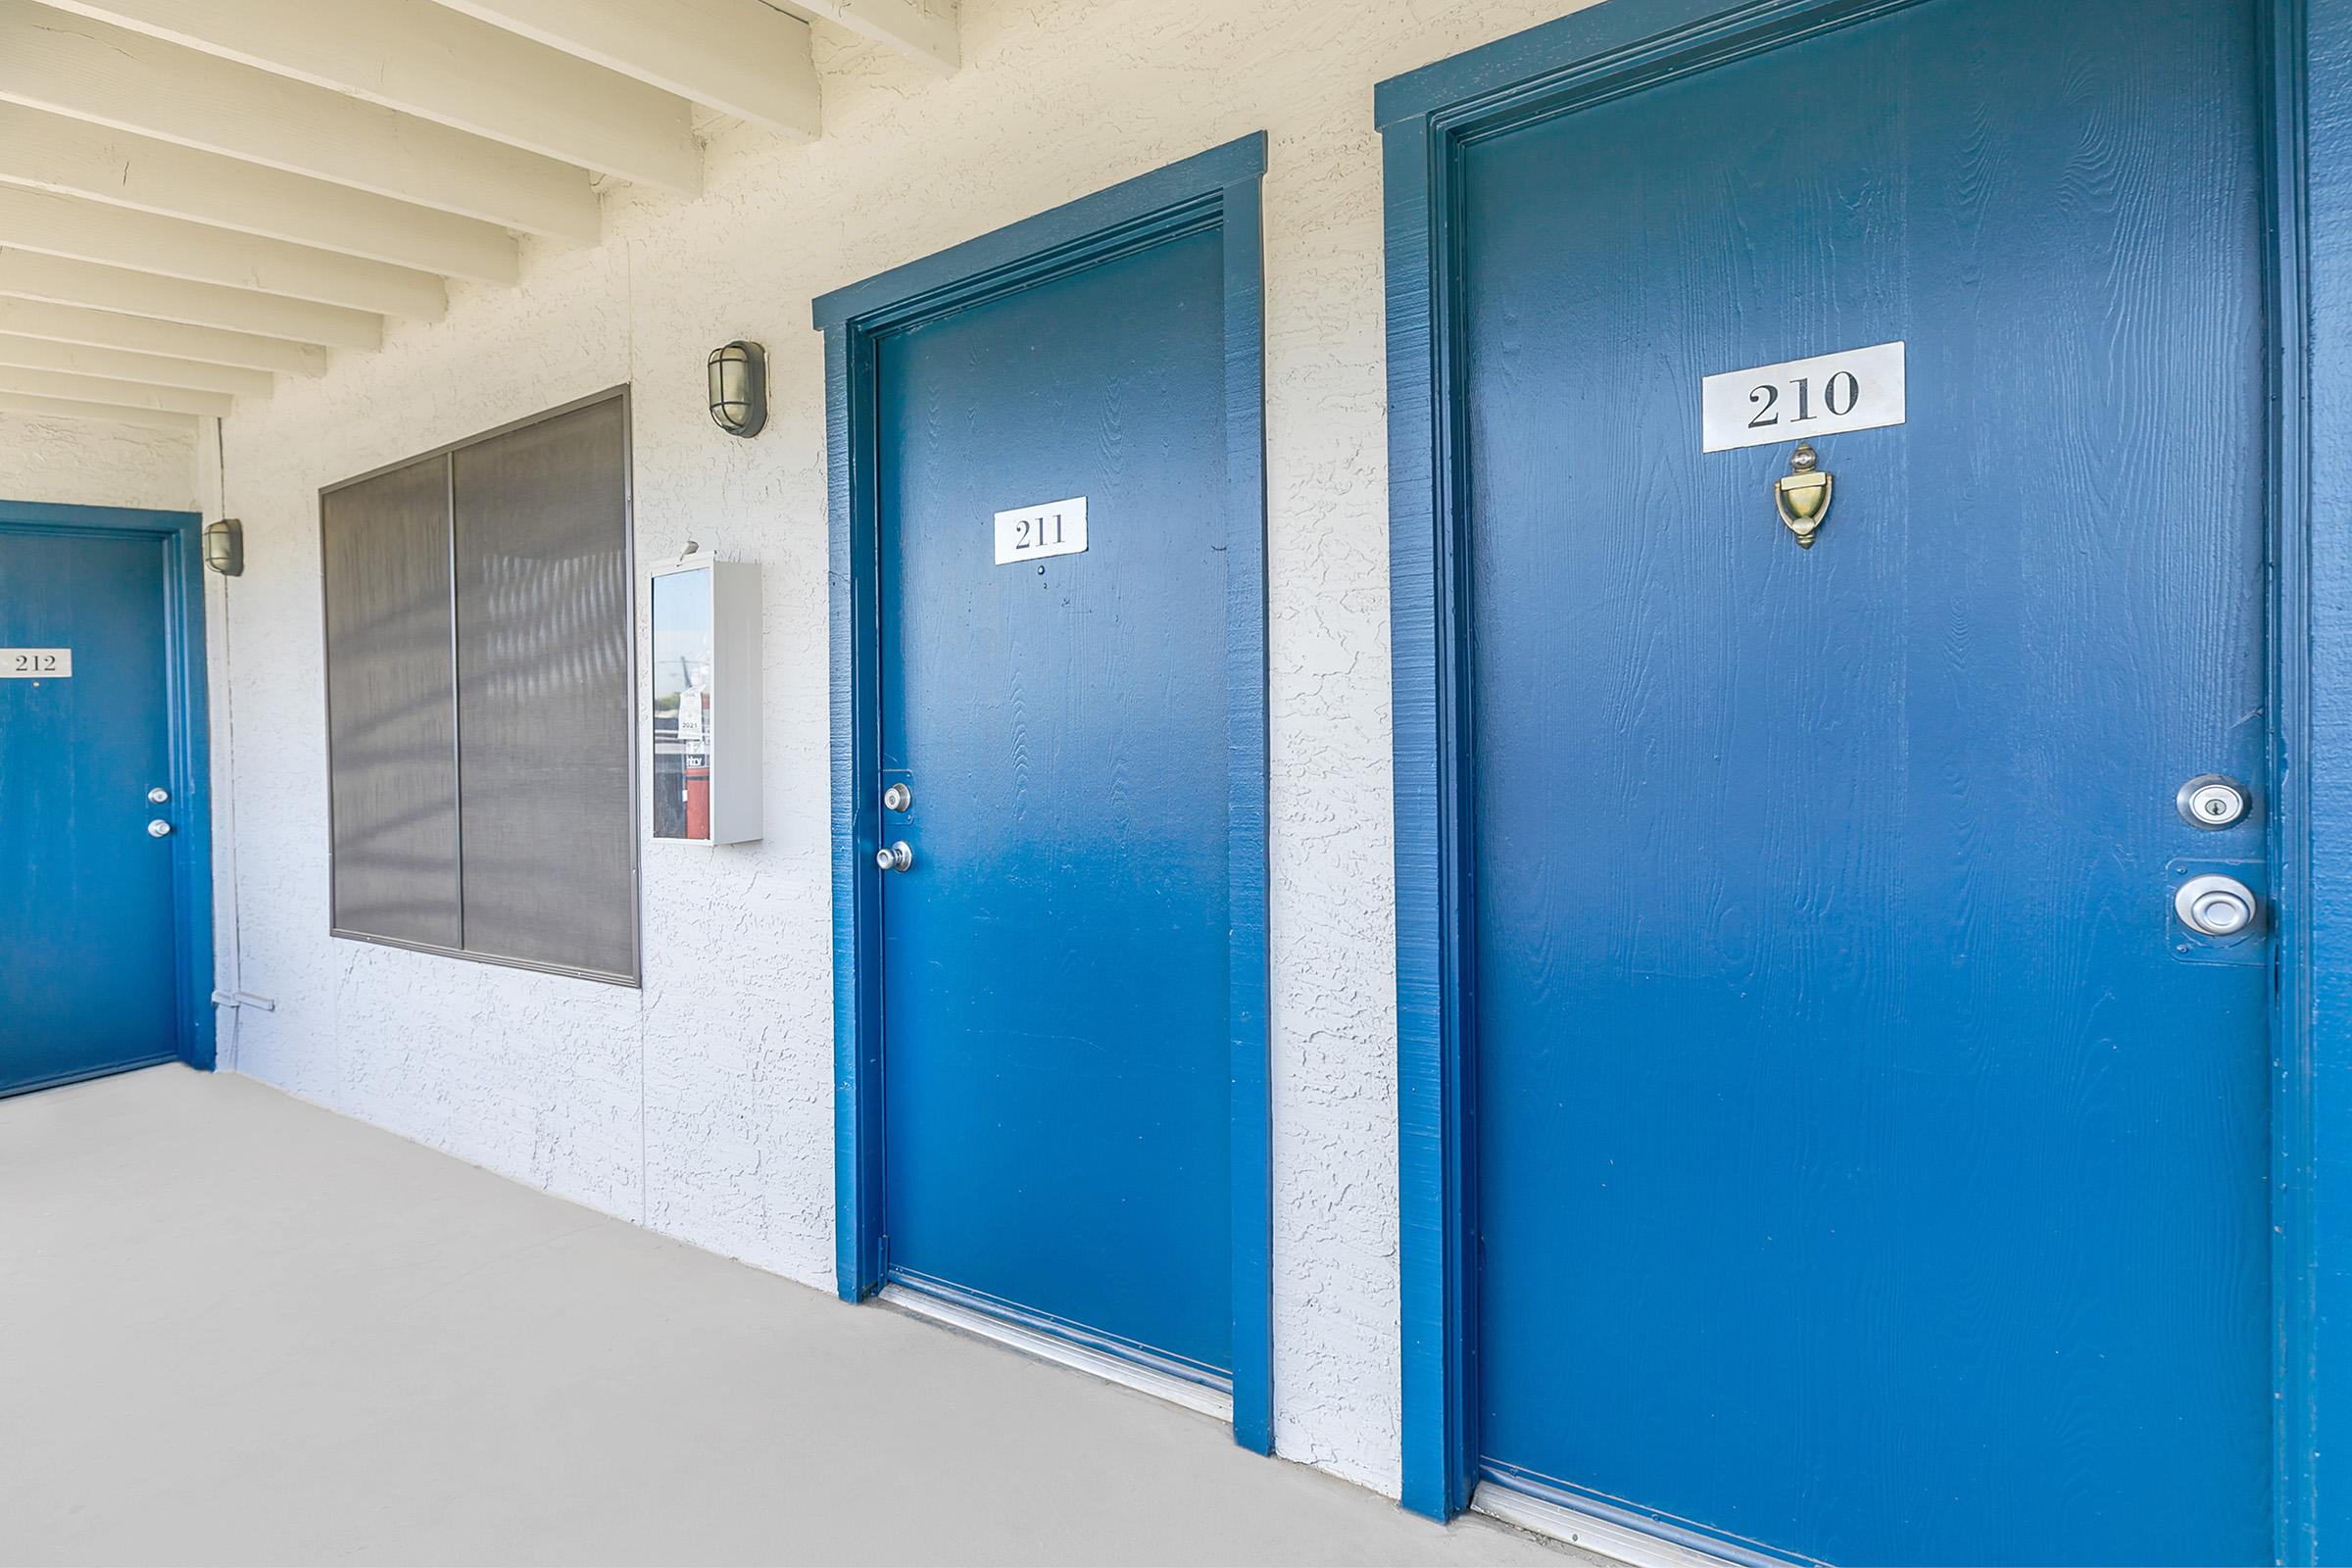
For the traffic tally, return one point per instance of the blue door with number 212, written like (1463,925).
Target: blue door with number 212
(90,977)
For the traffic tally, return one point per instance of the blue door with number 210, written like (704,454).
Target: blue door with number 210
(1863,460)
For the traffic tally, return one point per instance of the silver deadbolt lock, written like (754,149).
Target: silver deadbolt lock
(158,796)
(2217,905)
(159,830)
(898,798)
(2209,800)
(895,857)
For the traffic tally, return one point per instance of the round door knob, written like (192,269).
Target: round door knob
(898,797)
(158,796)
(2215,906)
(895,857)
(159,830)
(2209,800)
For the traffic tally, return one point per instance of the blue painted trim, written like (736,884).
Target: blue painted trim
(2313,206)
(1218,188)
(1021,247)
(1253,1146)
(1437,1285)
(854,635)
(1625,38)
(191,785)
(1423,116)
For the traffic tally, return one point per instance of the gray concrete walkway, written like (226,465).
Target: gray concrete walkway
(240,1328)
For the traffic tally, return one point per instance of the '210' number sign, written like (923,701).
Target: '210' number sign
(1860,389)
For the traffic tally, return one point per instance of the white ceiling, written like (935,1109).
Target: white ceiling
(197,196)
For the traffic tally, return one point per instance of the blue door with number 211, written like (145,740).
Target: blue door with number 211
(1057,1079)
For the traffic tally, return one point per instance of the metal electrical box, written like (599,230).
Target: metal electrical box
(706,692)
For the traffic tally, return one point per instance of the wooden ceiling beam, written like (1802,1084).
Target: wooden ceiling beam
(440,66)
(742,56)
(41,354)
(73,409)
(76,158)
(82,326)
(30,274)
(920,30)
(118,236)
(70,64)
(108,391)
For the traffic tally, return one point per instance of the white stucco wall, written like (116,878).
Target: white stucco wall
(95,463)
(702,1105)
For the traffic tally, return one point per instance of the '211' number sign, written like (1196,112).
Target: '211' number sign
(1860,389)
(1031,533)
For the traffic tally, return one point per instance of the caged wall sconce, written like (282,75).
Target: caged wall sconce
(739,388)
(225,547)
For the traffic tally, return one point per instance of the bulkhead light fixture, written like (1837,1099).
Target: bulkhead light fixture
(739,388)
(225,547)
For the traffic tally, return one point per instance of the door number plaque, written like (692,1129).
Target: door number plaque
(1031,533)
(1860,389)
(35,664)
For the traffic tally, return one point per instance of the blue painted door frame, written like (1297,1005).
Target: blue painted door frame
(1424,117)
(1218,188)
(177,535)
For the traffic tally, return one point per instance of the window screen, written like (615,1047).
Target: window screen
(479,654)
(543,694)
(390,726)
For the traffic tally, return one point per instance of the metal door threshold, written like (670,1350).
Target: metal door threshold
(1214,1403)
(1587,1532)
(85,1074)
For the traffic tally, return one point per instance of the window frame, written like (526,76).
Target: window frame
(635,979)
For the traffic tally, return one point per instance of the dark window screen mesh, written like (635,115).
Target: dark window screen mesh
(543,694)
(479,646)
(390,728)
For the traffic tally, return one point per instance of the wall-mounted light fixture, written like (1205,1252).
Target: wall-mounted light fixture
(225,547)
(739,388)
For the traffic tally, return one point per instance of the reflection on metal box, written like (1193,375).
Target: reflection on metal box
(706,698)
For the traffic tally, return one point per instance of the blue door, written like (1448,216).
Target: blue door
(1055,1058)
(1870,1163)
(88,968)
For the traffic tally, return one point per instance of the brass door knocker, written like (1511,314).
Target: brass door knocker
(1802,497)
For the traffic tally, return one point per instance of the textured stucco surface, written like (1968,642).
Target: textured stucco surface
(95,463)
(702,1105)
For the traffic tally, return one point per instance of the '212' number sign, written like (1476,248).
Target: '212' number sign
(1860,389)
